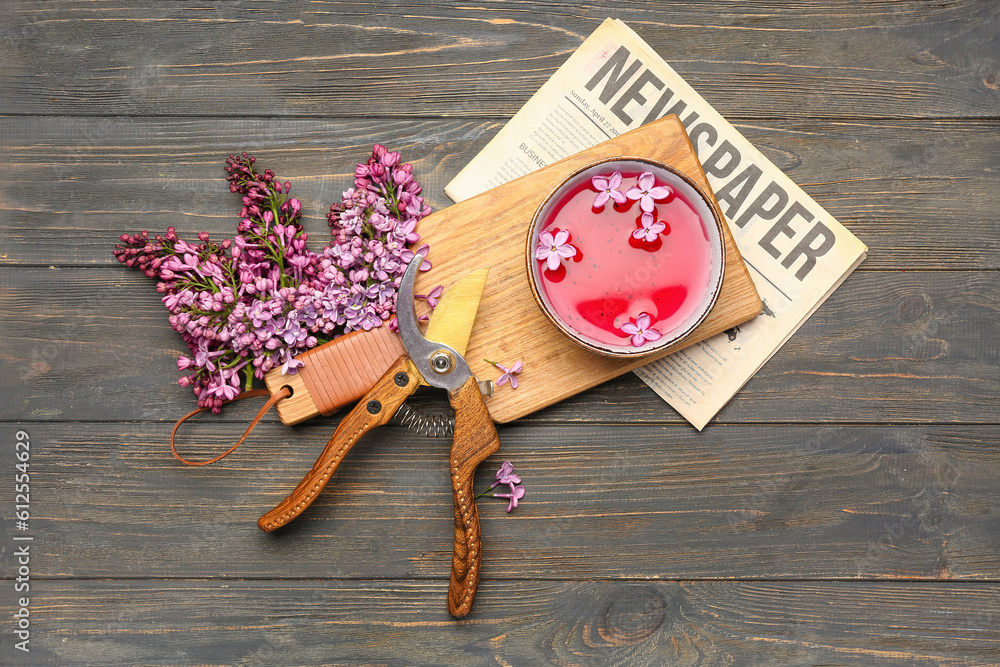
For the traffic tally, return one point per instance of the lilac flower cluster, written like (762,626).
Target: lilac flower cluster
(362,268)
(251,304)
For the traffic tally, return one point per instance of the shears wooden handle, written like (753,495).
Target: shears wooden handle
(475,440)
(442,366)
(375,409)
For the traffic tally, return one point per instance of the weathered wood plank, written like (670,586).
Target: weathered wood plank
(641,624)
(920,195)
(912,347)
(90,180)
(604,502)
(851,484)
(866,59)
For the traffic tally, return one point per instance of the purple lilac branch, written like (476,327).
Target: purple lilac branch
(251,304)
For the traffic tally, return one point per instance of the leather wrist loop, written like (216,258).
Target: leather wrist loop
(284,392)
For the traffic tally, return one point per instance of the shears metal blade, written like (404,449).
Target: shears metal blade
(438,355)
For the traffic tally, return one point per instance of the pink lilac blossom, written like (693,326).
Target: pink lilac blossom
(650,230)
(505,475)
(253,303)
(431,297)
(516,493)
(553,249)
(607,187)
(640,330)
(647,192)
(509,374)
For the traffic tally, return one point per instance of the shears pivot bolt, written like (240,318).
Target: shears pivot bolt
(441,362)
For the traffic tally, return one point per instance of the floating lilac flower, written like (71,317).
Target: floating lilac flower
(650,230)
(646,193)
(554,248)
(607,187)
(640,331)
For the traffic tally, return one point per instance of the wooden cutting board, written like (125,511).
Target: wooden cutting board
(491,230)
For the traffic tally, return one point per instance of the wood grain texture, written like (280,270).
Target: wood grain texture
(842,509)
(908,347)
(921,195)
(772,59)
(640,624)
(602,502)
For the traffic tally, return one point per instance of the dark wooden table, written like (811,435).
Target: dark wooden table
(843,508)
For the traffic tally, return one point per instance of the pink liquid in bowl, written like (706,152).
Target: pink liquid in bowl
(614,277)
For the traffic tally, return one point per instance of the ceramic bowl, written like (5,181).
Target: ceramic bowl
(626,278)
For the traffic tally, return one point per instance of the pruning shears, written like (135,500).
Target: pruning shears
(434,359)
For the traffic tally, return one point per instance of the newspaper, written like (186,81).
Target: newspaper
(797,253)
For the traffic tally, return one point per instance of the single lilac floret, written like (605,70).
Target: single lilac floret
(509,374)
(552,249)
(650,230)
(646,193)
(607,187)
(505,475)
(431,297)
(407,256)
(640,331)
(516,493)
(291,366)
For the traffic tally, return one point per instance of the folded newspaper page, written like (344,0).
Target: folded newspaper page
(798,254)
